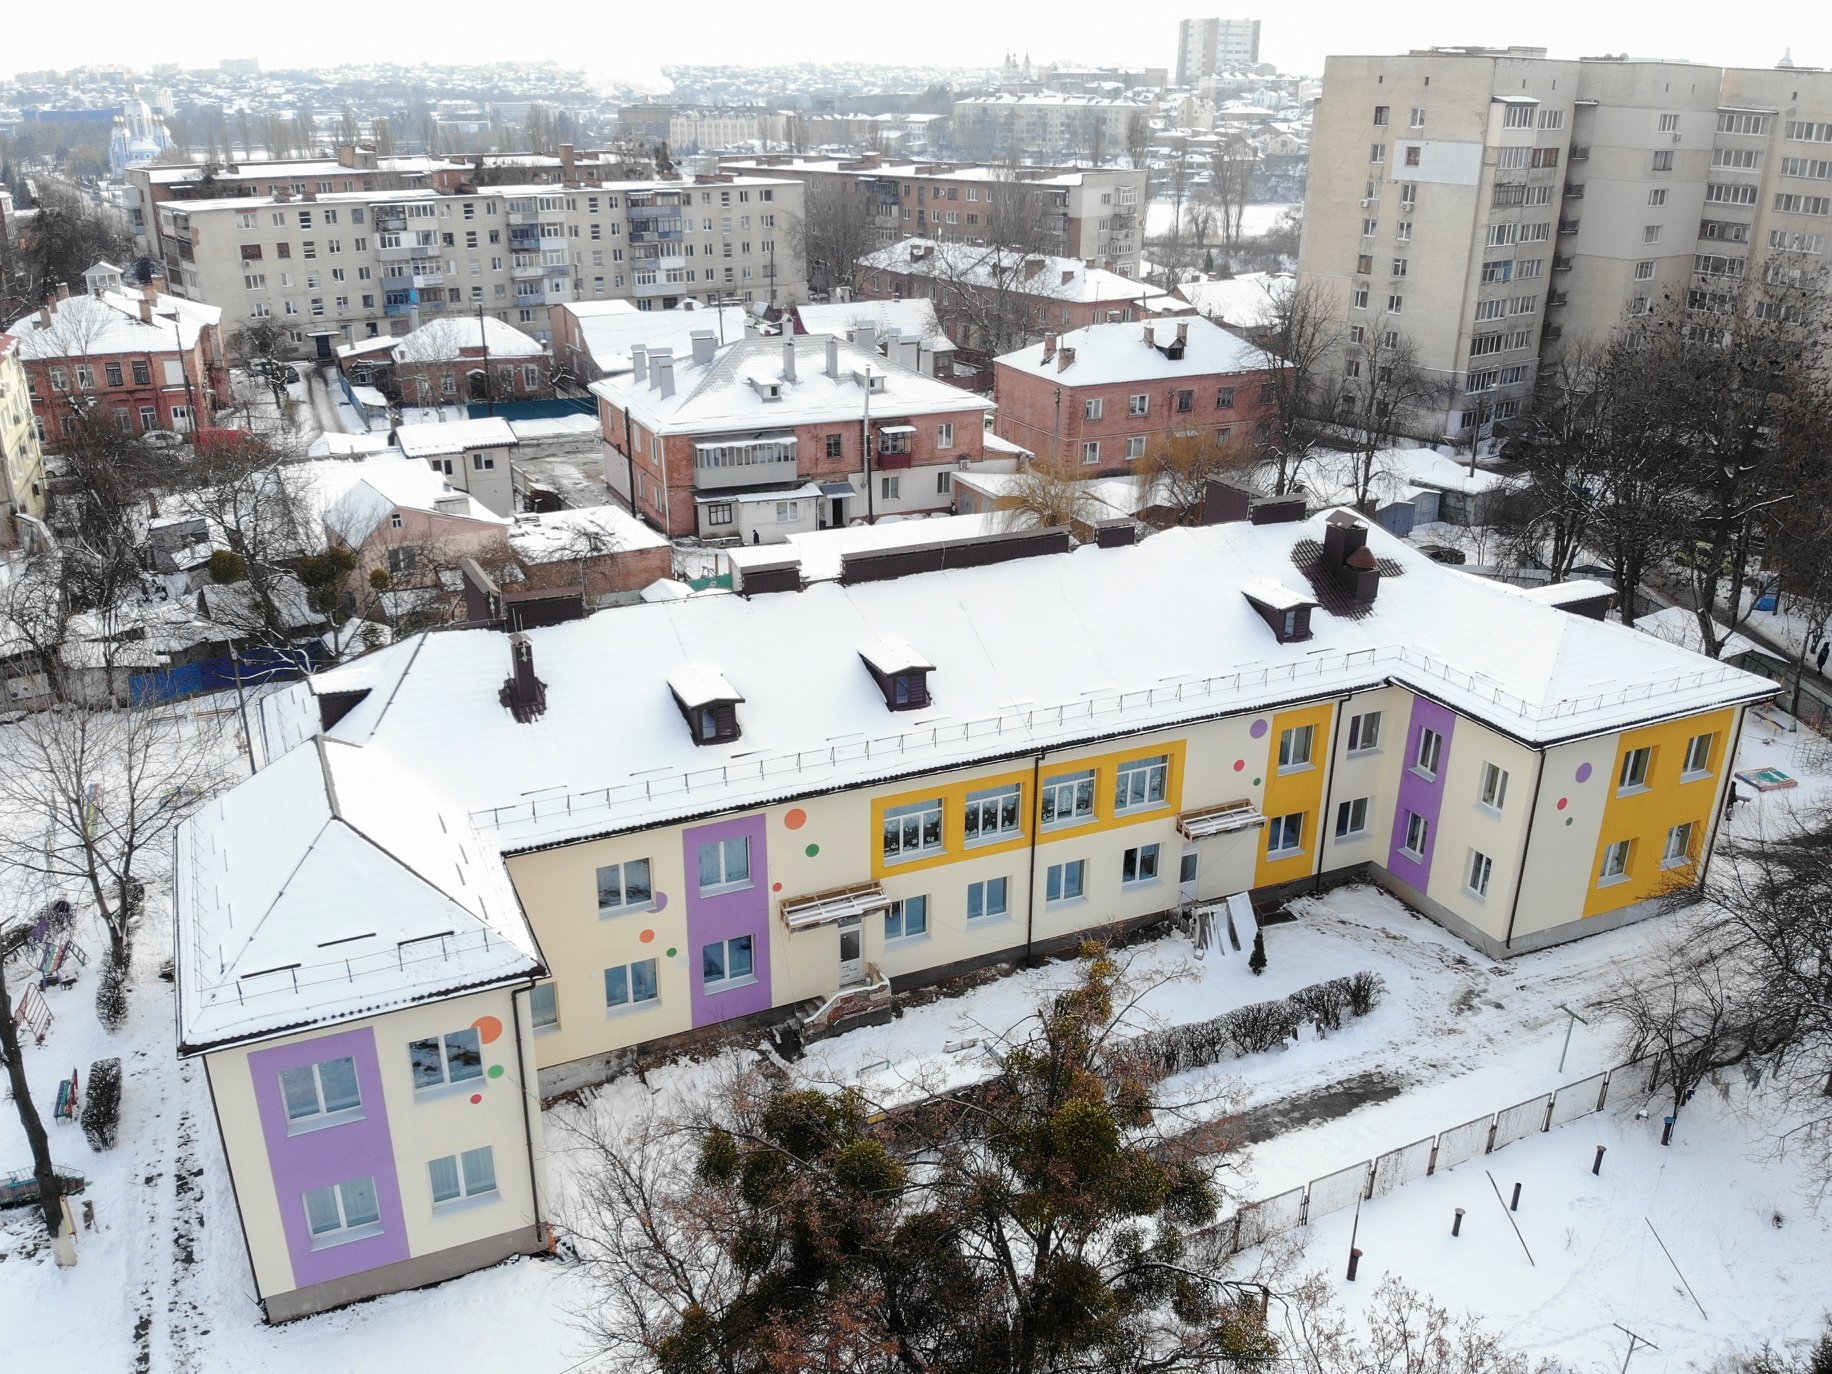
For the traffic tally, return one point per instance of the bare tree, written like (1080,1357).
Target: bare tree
(1046,493)
(1138,140)
(1384,392)
(1231,171)
(1403,1331)
(1563,445)
(1175,472)
(261,347)
(839,224)
(1303,337)
(16,933)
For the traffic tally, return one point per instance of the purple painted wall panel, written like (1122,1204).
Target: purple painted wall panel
(1420,794)
(336,1154)
(724,915)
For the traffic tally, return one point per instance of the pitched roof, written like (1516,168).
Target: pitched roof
(1059,279)
(1249,301)
(404,484)
(609,335)
(90,326)
(913,317)
(454,436)
(331,885)
(444,339)
(1108,353)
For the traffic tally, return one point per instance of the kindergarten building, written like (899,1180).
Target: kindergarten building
(476,869)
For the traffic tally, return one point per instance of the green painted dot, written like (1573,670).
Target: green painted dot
(812,850)
(1567,820)
(496,1070)
(1258,781)
(672,951)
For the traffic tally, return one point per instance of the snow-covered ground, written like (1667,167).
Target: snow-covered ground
(163,1281)
(1255,220)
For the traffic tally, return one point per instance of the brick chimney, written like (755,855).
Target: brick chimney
(523,693)
(1065,359)
(1183,332)
(1068,275)
(1049,347)
(63,291)
(1151,337)
(568,161)
(146,311)
(1032,266)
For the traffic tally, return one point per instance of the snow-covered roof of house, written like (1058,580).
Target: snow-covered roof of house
(91,325)
(1108,353)
(889,655)
(1567,593)
(1396,474)
(1108,497)
(1677,625)
(912,317)
(1249,301)
(454,436)
(585,532)
(1069,280)
(331,885)
(380,489)
(445,339)
(728,393)
(610,335)
(822,551)
(235,606)
(1026,656)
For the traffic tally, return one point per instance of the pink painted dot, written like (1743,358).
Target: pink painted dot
(661,901)
(476,1098)
(796,818)
(1563,802)
(776,887)
(1240,765)
(647,936)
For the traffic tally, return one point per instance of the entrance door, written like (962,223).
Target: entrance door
(1186,876)
(839,512)
(852,951)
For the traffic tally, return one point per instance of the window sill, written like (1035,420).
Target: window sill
(1143,808)
(466,1204)
(1703,776)
(606,913)
(1613,880)
(331,1240)
(1489,809)
(1062,902)
(1354,836)
(451,1088)
(1000,837)
(1279,855)
(1418,772)
(727,985)
(981,922)
(722,889)
(1051,827)
(1412,854)
(1474,895)
(629,1008)
(323,1122)
(552,1029)
(901,941)
(1369,752)
(1684,861)
(1288,769)
(911,856)
(1637,790)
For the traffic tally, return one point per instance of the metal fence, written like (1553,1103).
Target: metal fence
(1257,1221)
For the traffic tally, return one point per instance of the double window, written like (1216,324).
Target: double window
(1068,797)
(725,864)
(471,1174)
(1430,753)
(987,900)
(907,918)
(1679,846)
(321,1094)
(1364,732)
(993,813)
(1418,835)
(1636,764)
(1352,818)
(727,963)
(627,985)
(1285,835)
(1698,758)
(1142,783)
(1140,865)
(624,887)
(342,1213)
(1492,791)
(1294,747)
(1481,869)
(1615,863)
(913,830)
(1139,404)
(456,1057)
(1066,882)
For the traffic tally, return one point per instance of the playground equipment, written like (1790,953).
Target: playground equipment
(20,1188)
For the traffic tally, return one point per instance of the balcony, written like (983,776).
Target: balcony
(1567,227)
(553,243)
(425,250)
(420,279)
(400,308)
(1557,298)
(525,273)
(1552,333)
(557,269)
(1578,155)
(1561,264)
(397,254)
(1574,191)
(522,217)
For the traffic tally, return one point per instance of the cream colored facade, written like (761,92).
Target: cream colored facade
(22,474)
(433,1241)
(1647,179)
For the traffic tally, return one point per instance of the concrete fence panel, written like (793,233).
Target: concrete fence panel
(1578,1099)
(1333,1192)
(1463,1142)
(1521,1120)
(1405,1165)
(1273,1216)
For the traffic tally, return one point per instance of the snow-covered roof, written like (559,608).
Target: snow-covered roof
(727,393)
(1108,353)
(91,325)
(699,684)
(822,551)
(889,655)
(235,605)
(1058,279)
(1677,625)
(454,436)
(913,317)
(609,335)
(1566,593)
(1026,656)
(1249,301)
(446,339)
(335,884)
(403,484)
(584,532)
(1107,497)
(1396,474)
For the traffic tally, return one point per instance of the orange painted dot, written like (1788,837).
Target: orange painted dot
(488,1028)
(646,936)
(796,818)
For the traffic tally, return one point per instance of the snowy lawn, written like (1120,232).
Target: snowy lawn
(163,1281)
(1255,220)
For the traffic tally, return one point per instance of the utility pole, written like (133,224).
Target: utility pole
(483,337)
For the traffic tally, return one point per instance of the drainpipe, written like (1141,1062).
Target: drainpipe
(529,1127)
(1539,776)
(1030,895)
(1329,791)
(629,461)
(1717,800)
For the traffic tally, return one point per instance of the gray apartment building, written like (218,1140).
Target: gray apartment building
(1205,46)
(1495,205)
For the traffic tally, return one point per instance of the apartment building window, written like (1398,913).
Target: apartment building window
(443,1060)
(1352,818)
(321,1094)
(1650,233)
(1802,205)
(1510,376)
(1412,154)
(1487,310)
(1719,194)
(1544,157)
(1644,271)
(1369,227)
(1728,123)
(1135,447)
(944,436)
(1511,159)
(1402,231)
(1803,131)
(455,1178)
(725,865)
(1224,398)
(1657,196)
(1066,882)
(1788,242)
(1360,297)
(1481,869)
(1418,835)
(1068,798)
(1285,835)
(1737,159)
(1698,758)
(1493,272)
(1399,267)
(1636,765)
(1418,117)
(1501,235)
(1615,863)
(632,984)
(1364,263)
(1395,303)
(1492,790)
(1551,119)
(993,813)
(1142,783)
(1430,753)
(889,488)
(1364,732)
(112,371)
(1377,152)
(1138,405)
(1663,160)
(914,830)
(1380,116)
(1140,865)
(1517,117)
(906,919)
(987,900)
(1090,451)
(342,1212)
(1528,268)
(1480,381)
(1812,168)
(624,887)
(1408,194)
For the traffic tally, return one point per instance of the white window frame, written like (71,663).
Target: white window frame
(1492,788)
(322,1115)
(447,1078)
(1142,785)
(915,837)
(1296,747)
(1633,775)
(1418,836)
(1093,409)
(473,1176)
(726,882)
(1079,786)
(1681,855)
(1140,865)
(1429,758)
(549,992)
(996,805)
(1616,858)
(1477,877)
(347,1229)
(981,894)
(1061,877)
(1352,818)
(1138,404)
(1285,835)
(626,902)
(1698,758)
(630,1000)
(1364,732)
(897,919)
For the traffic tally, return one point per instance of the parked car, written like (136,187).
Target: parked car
(161,438)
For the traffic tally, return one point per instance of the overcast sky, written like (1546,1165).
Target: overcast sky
(634,40)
